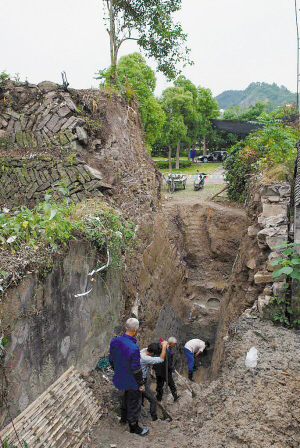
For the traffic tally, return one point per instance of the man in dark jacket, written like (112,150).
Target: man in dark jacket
(125,358)
(164,371)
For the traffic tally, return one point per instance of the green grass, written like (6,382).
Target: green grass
(202,167)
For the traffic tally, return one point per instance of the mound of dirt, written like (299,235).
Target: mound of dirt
(244,407)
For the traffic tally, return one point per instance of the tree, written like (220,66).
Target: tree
(149,23)
(178,106)
(208,108)
(137,79)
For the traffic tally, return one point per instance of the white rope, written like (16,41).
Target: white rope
(92,273)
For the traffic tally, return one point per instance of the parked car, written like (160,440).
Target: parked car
(215,156)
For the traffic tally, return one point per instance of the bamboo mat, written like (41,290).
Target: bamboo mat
(60,417)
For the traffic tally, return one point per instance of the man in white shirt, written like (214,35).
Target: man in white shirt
(155,353)
(193,348)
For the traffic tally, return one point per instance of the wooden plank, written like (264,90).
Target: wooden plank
(36,402)
(68,405)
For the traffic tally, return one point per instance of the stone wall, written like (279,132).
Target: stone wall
(252,284)
(25,181)
(47,117)
(51,328)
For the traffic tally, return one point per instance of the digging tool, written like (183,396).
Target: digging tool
(167,372)
(186,384)
(166,415)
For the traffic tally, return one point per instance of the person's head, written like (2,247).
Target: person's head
(207,344)
(154,349)
(132,326)
(172,341)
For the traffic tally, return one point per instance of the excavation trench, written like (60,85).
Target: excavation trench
(207,236)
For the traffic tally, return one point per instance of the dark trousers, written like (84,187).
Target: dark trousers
(160,381)
(131,406)
(153,411)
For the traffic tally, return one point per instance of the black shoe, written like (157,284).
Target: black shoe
(136,429)
(191,376)
(154,418)
(176,397)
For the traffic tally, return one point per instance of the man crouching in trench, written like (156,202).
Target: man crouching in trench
(124,357)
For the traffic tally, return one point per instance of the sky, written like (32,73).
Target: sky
(232,42)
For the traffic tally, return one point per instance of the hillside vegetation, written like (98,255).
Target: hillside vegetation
(270,94)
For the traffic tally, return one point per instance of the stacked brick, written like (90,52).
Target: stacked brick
(27,180)
(47,120)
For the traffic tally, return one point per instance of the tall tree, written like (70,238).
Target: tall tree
(136,78)
(149,23)
(178,106)
(208,108)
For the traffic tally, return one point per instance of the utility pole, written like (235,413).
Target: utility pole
(296,14)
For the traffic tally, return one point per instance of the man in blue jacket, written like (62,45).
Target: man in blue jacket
(125,358)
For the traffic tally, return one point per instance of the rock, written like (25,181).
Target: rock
(274,210)
(82,135)
(263,277)
(251,264)
(253,230)
(47,86)
(262,301)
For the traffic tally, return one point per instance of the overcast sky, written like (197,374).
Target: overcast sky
(233,42)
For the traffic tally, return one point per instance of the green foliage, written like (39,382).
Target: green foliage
(53,224)
(161,164)
(256,92)
(270,146)
(288,266)
(3,78)
(136,79)
(289,262)
(6,444)
(150,24)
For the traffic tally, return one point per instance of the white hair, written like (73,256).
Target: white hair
(132,324)
(172,340)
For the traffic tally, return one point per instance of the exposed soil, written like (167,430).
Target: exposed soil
(244,407)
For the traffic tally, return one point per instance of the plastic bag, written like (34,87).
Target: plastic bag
(251,358)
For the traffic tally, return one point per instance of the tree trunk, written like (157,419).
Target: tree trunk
(204,146)
(113,42)
(170,158)
(177,155)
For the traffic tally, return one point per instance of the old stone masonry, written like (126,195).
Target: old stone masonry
(46,120)
(34,118)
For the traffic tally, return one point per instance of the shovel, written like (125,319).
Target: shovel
(166,415)
(186,384)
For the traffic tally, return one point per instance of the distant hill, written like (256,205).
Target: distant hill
(255,92)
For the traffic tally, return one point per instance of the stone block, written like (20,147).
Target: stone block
(10,126)
(82,135)
(284,190)
(3,123)
(274,210)
(274,198)
(2,133)
(253,230)
(48,86)
(64,111)
(59,125)
(263,277)
(262,301)
(268,290)
(251,264)
(279,289)
(275,240)
(43,122)
(52,122)
(94,172)
(69,123)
